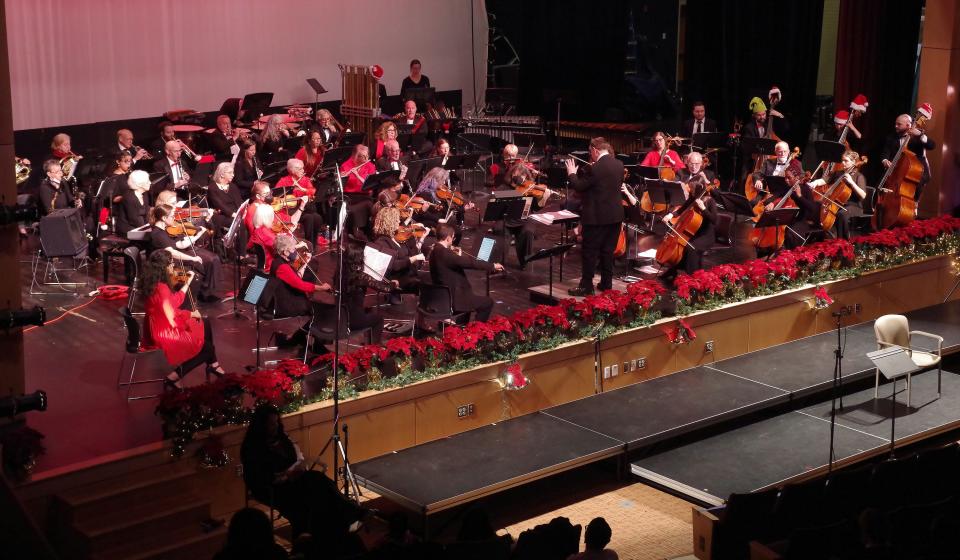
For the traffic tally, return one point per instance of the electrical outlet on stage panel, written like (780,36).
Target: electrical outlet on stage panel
(606,372)
(642,362)
(708,347)
(614,370)
(462,411)
(470,409)
(626,367)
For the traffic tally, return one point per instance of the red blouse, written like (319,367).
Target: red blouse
(354,184)
(289,276)
(653,160)
(304,186)
(170,328)
(264,237)
(309,168)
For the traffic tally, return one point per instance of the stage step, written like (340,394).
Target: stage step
(187,542)
(78,504)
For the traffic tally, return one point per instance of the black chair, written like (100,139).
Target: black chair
(846,491)
(800,505)
(836,540)
(911,526)
(936,473)
(892,483)
(746,517)
(134,349)
(261,255)
(435,307)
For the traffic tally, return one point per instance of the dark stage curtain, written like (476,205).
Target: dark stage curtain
(737,49)
(877,56)
(575,50)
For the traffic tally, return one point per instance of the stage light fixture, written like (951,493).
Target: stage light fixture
(11,406)
(12,214)
(11,319)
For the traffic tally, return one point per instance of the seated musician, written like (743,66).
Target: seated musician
(359,202)
(331,131)
(775,166)
(392,159)
(410,117)
(448,267)
(174,166)
(223,139)
(386,131)
(917,142)
(165,236)
(699,122)
(262,195)
(61,147)
(225,200)
(247,169)
(311,153)
(125,146)
(808,219)
(53,193)
(670,157)
(271,141)
(299,185)
(132,210)
(115,184)
(185,337)
(523,231)
(434,211)
(851,177)
(264,235)
(167,133)
(694,179)
(406,255)
(387,196)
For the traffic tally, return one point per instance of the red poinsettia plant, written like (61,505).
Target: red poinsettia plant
(821,298)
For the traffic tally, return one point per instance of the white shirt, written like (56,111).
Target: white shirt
(176,172)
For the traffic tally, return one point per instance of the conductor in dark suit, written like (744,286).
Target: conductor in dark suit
(448,268)
(917,142)
(601,214)
(699,123)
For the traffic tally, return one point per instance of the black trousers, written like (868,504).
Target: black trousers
(481,305)
(599,242)
(312,503)
(523,232)
(210,271)
(207,353)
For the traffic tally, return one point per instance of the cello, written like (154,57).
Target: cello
(749,191)
(835,195)
(682,229)
(774,237)
(895,204)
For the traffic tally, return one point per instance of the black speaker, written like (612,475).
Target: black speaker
(62,233)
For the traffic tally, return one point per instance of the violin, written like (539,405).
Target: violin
(416,231)
(452,196)
(179,276)
(182,228)
(537,191)
(286,201)
(190,213)
(683,228)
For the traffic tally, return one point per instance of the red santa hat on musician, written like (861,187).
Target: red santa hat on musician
(774,92)
(926,110)
(841,117)
(859,103)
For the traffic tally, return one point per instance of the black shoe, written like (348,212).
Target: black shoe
(215,371)
(580,292)
(171,385)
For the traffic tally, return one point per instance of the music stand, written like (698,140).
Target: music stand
(336,155)
(483,249)
(230,240)
(777,218)
(351,139)
(829,151)
(758,146)
(504,205)
(893,363)
(255,104)
(252,294)
(706,140)
(408,140)
(317,89)
(375,180)
(418,167)
(421,96)
(549,253)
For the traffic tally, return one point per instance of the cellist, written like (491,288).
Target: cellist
(852,178)
(661,155)
(918,143)
(772,167)
(693,179)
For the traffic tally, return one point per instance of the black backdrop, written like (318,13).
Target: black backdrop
(737,49)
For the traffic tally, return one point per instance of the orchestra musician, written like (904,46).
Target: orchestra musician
(756,128)
(225,200)
(183,248)
(53,194)
(61,147)
(386,131)
(839,120)
(670,157)
(699,121)
(410,117)
(115,184)
(387,196)
(356,282)
(331,131)
(392,159)
(416,80)
(311,153)
(852,177)
(262,195)
(222,140)
(433,211)
(264,236)
(917,142)
(301,186)
(270,144)
(448,267)
(185,337)
(601,214)
(247,169)
(693,179)
(134,206)
(125,146)
(808,219)
(772,167)
(405,255)
(359,203)
(167,133)
(172,165)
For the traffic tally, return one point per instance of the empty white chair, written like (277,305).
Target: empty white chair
(894,330)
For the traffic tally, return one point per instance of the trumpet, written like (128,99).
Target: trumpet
(22,171)
(137,149)
(190,153)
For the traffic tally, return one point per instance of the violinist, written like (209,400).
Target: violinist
(180,240)
(917,142)
(247,169)
(693,180)
(772,167)
(661,155)
(802,195)
(852,178)
(289,213)
(311,153)
(225,199)
(131,212)
(387,196)
(265,233)
(448,267)
(522,231)
(496,174)
(299,185)
(185,337)
(406,255)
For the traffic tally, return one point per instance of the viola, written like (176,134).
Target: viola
(537,191)
(684,227)
(895,204)
(182,228)
(416,231)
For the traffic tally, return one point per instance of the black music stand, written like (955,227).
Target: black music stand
(757,146)
(336,156)
(317,89)
(351,139)
(549,253)
(482,250)
(374,182)
(829,151)
(421,96)
(777,218)
(253,290)
(410,140)
(703,141)
(893,363)
(504,205)
(417,168)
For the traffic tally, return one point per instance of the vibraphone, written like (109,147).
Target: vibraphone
(504,126)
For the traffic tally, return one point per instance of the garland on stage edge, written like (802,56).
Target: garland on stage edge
(405,360)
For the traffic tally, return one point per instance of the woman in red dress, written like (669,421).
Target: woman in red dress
(185,337)
(311,154)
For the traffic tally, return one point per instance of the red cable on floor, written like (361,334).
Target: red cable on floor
(62,315)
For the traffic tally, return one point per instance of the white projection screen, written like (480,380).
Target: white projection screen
(84,61)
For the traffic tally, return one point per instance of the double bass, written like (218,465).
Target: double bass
(682,229)
(895,204)
(749,191)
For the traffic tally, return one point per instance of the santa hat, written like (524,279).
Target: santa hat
(774,90)
(859,103)
(926,111)
(757,105)
(841,117)
(377,71)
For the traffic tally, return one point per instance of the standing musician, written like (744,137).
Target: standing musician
(53,193)
(168,234)
(699,123)
(311,153)
(775,167)
(852,178)
(448,267)
(184,336)
(247,169)
(601,214)
(669,157)
(917,142)
(301,186)
(693,179)
(840,120)
(134,207)
(331,131)
(222,140)
(386,131)
(406,255)
(415,80)
(173,166)
(125,146)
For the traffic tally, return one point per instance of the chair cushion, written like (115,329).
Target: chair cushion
(924,359)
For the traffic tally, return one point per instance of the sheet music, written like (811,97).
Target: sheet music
(375,263)
(548,218)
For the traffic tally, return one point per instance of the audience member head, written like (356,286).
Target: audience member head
(476,526)
(598,534)
(250,534)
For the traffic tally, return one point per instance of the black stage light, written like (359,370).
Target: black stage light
(11,406)
(11,214)
(10,319)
